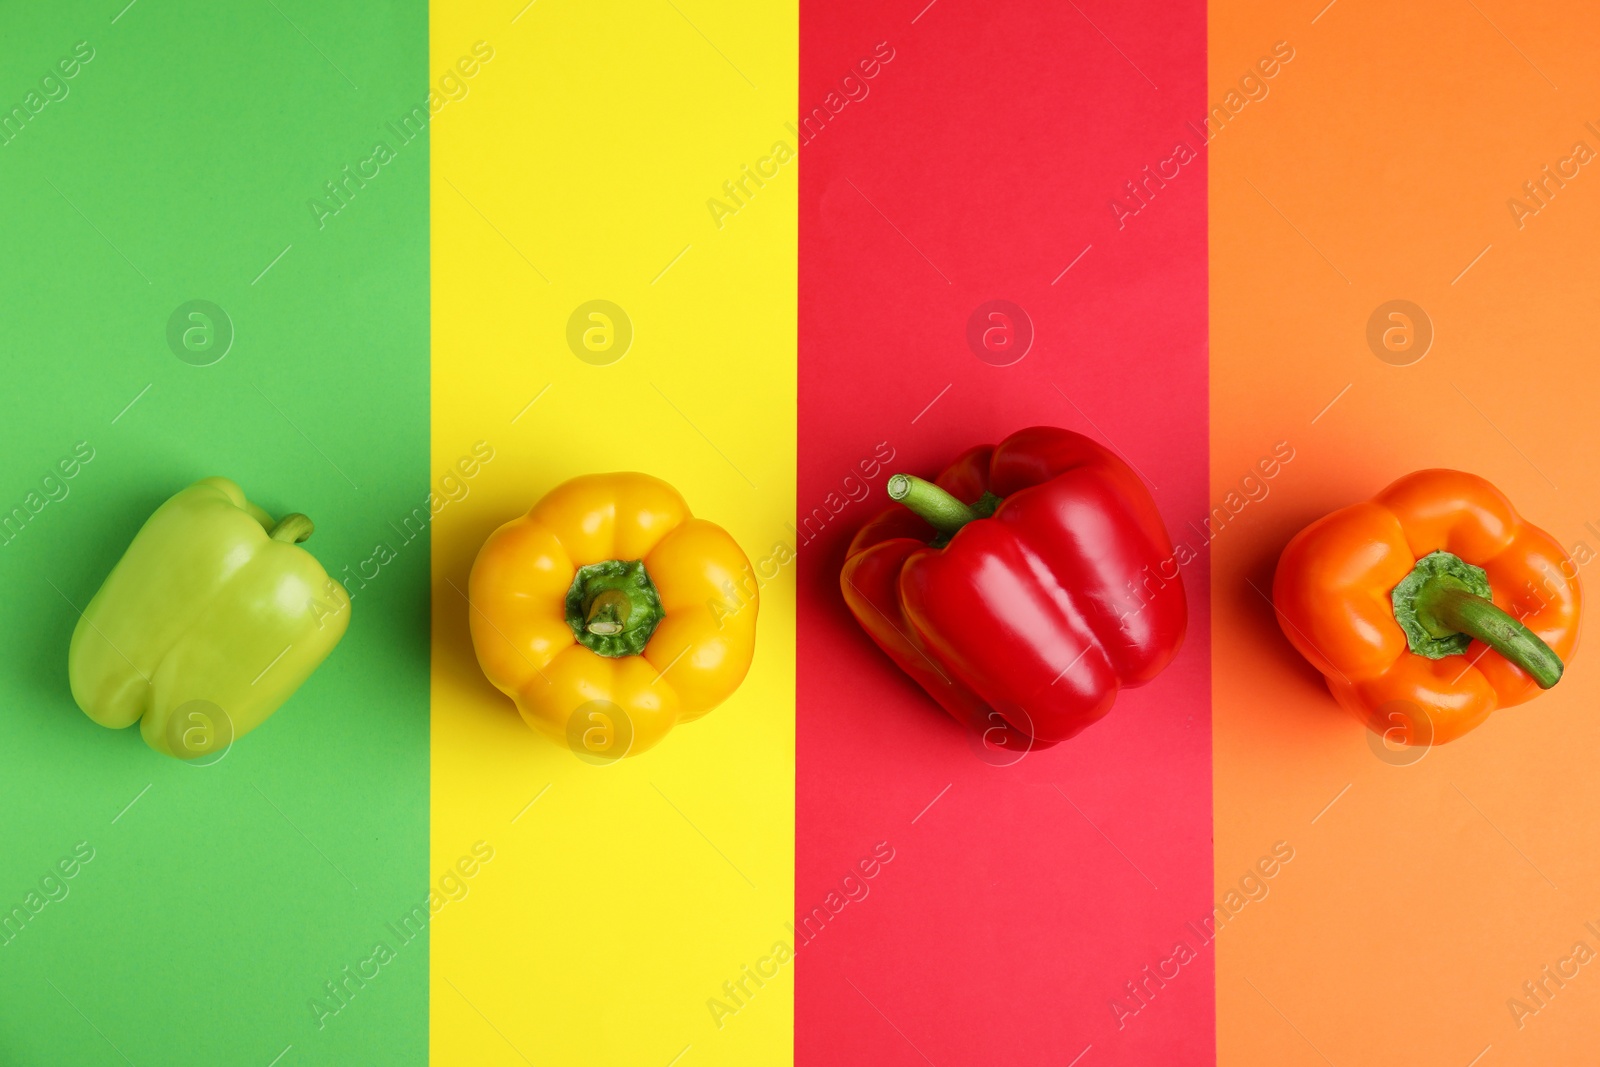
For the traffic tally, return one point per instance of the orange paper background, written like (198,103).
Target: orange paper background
(1377,167)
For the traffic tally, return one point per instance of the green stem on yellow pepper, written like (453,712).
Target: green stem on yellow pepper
(608,612)
(613,607)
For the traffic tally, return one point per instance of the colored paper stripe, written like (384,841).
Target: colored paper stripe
(577,165)
(176,310)
(954,157)
(1426,886)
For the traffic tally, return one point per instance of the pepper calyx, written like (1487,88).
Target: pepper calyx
(613,607)
(1445,603)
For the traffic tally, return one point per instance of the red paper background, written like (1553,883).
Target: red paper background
(981,163)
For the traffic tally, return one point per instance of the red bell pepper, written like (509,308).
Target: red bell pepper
(1025,611)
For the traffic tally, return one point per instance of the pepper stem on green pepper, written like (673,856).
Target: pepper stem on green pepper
(292,529)
(1445,603)
(937,507)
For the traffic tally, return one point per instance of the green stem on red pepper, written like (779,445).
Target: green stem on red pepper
(1445,603)
(937,507)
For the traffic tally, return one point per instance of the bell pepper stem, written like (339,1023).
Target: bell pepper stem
(613,607)
(938,508)
(608,613)
(292,529)
(1445,606)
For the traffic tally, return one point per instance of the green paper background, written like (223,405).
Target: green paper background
(178,167)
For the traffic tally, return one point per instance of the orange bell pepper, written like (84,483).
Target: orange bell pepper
(1429,606)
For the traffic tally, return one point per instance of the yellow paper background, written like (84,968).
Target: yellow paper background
(577,166)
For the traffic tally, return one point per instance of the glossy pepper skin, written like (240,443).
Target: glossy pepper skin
(1346,598)
(609,613)
(1029,621)
(211,620)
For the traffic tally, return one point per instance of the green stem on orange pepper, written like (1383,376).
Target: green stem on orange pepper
(1445,602)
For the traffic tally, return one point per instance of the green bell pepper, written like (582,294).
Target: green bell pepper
(210,621)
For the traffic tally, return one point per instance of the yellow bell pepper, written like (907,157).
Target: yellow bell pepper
(609,614)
